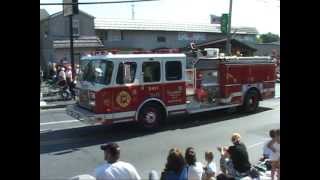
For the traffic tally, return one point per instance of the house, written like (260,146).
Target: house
(55,36)
(148,35)
(268,49)
(91,34)
(43,44)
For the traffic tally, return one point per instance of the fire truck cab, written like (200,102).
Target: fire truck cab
(147,88)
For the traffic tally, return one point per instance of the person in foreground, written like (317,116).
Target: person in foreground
(175,166)
(235,159)
(114,169)
(194,168)
(210,169)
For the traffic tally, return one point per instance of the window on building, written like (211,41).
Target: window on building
(151,71)
(161,39)
(105,33)
(101,35)
(126,72)
(122,36)
(76,27)
(115,35)
(173,70)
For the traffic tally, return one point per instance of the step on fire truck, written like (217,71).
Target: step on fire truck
(148,88)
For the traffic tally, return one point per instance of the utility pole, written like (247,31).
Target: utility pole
(71,46)
(228,45)
(132,9)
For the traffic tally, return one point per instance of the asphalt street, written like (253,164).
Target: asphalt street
(69,148)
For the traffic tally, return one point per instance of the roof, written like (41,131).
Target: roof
(272,43)
(82,41)
(151,25)
(43,14)
(61,13)
(225,40)
(124,56)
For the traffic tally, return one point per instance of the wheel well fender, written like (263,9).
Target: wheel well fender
(155,101)
(254,89)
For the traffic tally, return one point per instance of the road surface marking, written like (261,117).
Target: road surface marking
(45,130)
(257,144)
(55,109)
(58,122)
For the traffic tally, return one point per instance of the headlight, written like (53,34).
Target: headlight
(92,103)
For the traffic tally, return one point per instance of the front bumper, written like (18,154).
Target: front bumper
(88,117)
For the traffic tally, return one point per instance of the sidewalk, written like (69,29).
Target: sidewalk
(51,99)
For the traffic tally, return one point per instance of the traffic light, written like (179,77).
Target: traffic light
(224,23)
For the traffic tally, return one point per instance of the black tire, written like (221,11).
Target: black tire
(251,101)
(65,95)
(150,117)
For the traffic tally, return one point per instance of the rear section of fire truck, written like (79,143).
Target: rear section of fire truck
(224,82)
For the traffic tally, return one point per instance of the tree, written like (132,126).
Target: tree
(269,37)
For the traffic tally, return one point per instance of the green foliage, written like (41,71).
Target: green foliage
(268,38)
(258,39)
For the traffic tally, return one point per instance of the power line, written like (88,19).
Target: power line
(270,2)
(105,2)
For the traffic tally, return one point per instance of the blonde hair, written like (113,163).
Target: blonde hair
(235,137)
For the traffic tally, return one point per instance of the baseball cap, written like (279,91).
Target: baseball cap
(111,147)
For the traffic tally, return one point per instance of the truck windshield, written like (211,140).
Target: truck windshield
(96,71)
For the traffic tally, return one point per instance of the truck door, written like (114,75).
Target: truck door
(125,94)
(152,83)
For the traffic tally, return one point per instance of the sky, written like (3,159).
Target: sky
(262,14)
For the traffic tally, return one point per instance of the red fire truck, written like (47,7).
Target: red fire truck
(148,88)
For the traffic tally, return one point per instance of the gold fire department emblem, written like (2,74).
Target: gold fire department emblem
(123,99)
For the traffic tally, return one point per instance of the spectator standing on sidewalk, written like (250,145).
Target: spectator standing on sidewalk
(114,169)
(62,77)
(175,166)
(194,168)
(53,71)
(69,75)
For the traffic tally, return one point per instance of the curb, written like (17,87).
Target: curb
(54,106)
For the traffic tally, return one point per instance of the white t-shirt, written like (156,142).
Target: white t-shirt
(211,167)
(275,156)
(62,75)
(118,170)
(195,172)
(267,151)
(69,74)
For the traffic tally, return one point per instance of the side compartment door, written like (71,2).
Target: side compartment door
(174,85)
